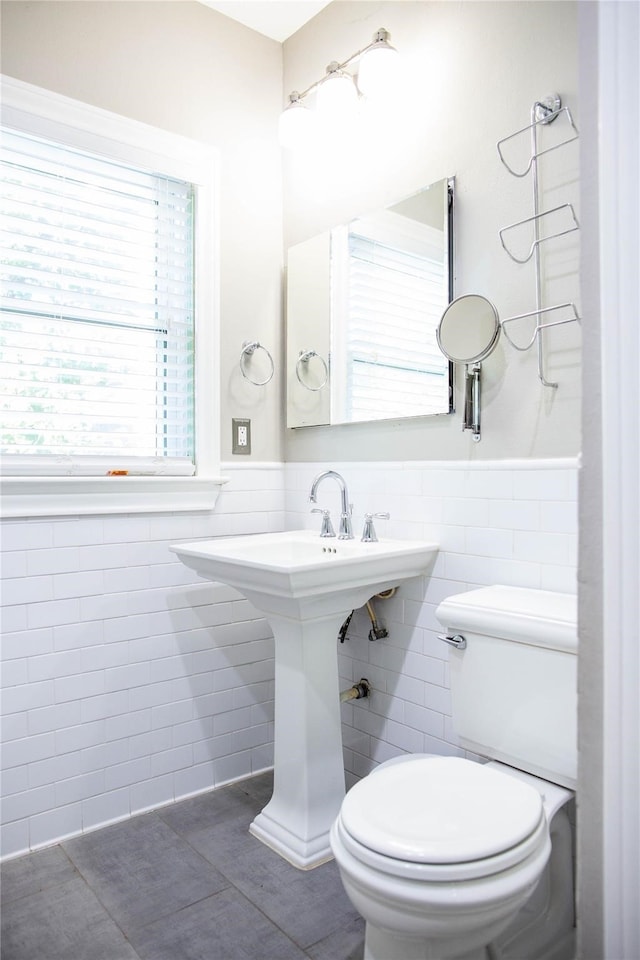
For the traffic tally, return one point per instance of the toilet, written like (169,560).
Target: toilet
(448,857)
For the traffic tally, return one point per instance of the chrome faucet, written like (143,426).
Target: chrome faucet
(344,531)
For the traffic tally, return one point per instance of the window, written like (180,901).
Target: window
(97,342)
(108,268)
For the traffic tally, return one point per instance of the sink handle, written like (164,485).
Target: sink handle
(369,533)
(327,527)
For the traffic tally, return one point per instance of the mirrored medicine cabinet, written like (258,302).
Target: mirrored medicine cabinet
(364,300)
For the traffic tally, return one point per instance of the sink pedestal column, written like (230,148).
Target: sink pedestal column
(308,762)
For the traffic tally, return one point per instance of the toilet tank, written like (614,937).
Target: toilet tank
(513,686)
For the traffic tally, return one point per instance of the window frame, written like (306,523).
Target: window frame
(41,112)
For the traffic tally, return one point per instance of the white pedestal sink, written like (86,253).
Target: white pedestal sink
(305,586)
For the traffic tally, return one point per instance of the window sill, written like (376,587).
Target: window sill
(78,496)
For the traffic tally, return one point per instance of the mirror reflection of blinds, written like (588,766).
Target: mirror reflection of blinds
(98,316)
(396,298)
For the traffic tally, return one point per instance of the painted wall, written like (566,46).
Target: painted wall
(183,67)
(128,682)
(609,571)
(591,886)
(472,71)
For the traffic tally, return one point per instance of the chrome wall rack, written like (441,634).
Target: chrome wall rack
(559,220)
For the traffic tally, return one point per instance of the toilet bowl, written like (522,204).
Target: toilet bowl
(446,857)
(439,854)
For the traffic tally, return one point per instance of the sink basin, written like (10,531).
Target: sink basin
(305,586)
(300,571)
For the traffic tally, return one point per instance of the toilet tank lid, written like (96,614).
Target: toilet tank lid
(540,617)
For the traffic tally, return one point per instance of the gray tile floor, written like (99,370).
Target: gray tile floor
(186,882)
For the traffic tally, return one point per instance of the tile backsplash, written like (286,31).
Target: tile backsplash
(129,683)
(509,522)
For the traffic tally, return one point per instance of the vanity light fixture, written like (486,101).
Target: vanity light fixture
(338,92)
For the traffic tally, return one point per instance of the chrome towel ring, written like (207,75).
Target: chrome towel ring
(249,347)
(303,359)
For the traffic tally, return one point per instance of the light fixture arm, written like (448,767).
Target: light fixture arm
(380,36)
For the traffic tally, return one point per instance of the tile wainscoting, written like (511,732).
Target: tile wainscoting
(128,683)
(511,522)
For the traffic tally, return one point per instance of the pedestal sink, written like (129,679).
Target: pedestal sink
(305,586)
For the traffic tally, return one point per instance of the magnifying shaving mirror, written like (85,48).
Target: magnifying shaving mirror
(468,333)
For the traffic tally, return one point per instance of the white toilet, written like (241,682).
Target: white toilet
(448,857)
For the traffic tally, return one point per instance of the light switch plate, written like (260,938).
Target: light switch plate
(240,436)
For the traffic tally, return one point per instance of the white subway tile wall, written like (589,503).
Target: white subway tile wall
(510,522)
(129,683)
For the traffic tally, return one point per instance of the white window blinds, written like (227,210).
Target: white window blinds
(394,292)
(97,334)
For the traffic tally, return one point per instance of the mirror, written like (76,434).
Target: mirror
(363,304)
(468,333)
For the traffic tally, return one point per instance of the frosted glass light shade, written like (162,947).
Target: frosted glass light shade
(337,96)
(296,125)
(378,70)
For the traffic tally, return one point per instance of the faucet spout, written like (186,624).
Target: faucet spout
(345,531)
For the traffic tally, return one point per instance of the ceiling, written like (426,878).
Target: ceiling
(277,19)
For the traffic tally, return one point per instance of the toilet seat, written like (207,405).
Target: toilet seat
(442,819)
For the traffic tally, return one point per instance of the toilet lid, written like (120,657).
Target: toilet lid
(441,810)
